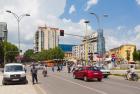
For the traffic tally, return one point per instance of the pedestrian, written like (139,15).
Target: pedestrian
(34,74)
(69,68)
(53,67)
(58,68)
(44,72)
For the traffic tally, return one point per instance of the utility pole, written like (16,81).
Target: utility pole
(86,43)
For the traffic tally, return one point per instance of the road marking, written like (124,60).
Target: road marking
(92,89)
(37,87)
(123,85)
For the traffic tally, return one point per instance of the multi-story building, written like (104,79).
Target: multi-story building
(89,46)
(123,52)
(100,43)
(46,38)
(3,31)
(67,48)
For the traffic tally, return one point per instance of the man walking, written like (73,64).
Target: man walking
(34,74)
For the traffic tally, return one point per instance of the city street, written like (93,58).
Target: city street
(63,83)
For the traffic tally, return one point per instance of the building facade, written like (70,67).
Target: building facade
(3,31)
(88,47)
(67,48)
(100,43)
(124,52)
(46,38)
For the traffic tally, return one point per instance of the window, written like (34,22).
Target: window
(14,68)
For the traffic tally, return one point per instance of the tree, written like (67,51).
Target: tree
(55,53)
(138,56)
(128,55)
(29,53)
(135,55)
(1,52)
(9,51)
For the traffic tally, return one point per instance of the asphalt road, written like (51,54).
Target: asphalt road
(63,83)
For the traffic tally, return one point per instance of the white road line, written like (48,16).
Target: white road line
(123,85)
(37,87)
(92,89)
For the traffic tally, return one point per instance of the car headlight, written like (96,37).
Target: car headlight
(23,75)
(6,76)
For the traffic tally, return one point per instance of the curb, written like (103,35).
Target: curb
(37,88)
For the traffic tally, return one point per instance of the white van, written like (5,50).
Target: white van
(14,73)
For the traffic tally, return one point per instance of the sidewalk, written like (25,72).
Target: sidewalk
(20,89)
(122,72)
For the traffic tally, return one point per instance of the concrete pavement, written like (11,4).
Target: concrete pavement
(122,72)
(63,83)
(21,89)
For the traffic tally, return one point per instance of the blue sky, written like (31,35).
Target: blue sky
(121,12)
(121,25)
(123,17)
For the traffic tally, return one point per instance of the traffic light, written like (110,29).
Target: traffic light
(61,32)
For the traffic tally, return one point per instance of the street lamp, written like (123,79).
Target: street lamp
(101,41)
(98,19)
(86,43)
(18,18)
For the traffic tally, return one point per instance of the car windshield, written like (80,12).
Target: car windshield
(101,68)
(13,68)
(93,68)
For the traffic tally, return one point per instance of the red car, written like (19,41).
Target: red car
(88,73)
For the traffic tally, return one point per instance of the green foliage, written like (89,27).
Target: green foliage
(55,53)
(29,53)
(9,50)
(136,55)
(1,52)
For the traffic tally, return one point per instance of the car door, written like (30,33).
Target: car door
(81,72)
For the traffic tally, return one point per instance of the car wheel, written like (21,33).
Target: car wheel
(105,76)
(74,76)
(3,82)
(85,78)
(25,82)
(99,79)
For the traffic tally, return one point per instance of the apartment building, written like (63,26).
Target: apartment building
(46,38)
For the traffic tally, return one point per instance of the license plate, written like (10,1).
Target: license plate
(15,79)
(95,73)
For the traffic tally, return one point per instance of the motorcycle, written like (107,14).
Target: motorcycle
(133,76)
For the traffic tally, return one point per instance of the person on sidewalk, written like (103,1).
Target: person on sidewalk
(44,72)
(53,67)
(34,74)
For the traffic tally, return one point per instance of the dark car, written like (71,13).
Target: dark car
(88,73)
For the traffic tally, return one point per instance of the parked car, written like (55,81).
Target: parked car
(14,73)
(105,71)
(88,73)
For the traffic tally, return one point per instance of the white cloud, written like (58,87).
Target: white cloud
(90,3)
(41,11)
(137,30)
(72,9)
(138,1)
(120,27)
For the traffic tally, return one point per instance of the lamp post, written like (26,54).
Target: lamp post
(101,41)
(18,18)
(98,19)
(86,43)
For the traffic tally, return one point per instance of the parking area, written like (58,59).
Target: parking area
(18,89)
